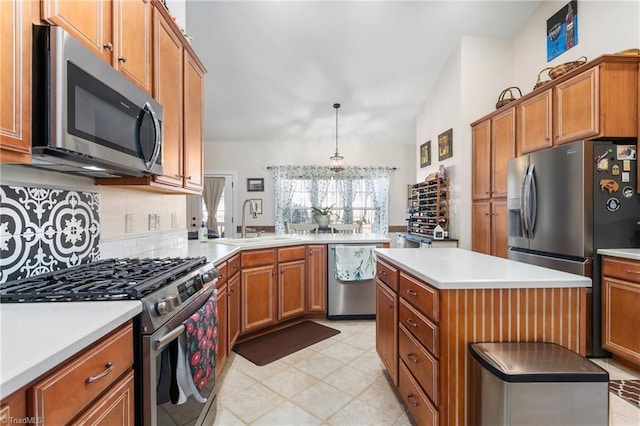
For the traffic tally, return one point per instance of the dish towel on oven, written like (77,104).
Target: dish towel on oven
(197,350)
(355,263)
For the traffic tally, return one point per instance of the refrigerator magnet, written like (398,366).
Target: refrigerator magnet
(603,165)
(613,204)
(626,152)
(626,165)
(609,184)
(627,192)
(615,170)
(625,177)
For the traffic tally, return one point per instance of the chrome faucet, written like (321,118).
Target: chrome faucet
(253,209)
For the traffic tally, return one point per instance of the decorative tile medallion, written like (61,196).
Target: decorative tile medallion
(43,230)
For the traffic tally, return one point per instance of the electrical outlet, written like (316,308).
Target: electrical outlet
(157,222)
(152,222)
(174,220)
(128,223)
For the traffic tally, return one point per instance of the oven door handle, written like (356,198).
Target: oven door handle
(168,338)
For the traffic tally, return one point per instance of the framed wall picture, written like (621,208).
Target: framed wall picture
(425,154)
(258,203)
(562,30)
(445,145)
(255,184)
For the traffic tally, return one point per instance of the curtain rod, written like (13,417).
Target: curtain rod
(384,167)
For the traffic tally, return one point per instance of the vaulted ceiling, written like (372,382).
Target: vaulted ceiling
(275,68)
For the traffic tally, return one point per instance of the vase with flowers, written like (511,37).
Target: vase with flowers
(322,215)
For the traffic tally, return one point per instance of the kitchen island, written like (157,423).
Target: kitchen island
(432,303)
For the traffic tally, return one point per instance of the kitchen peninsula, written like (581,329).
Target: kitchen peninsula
(431,303)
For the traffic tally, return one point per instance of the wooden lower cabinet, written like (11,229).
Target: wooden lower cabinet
(113,408)
(223,327)
(291,289)
(259,290)
(94,387)
(233,293)
(489,227)
(317,278)
(620,301)
(386,328)
(434,328)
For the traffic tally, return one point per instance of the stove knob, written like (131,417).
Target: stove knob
(167,304)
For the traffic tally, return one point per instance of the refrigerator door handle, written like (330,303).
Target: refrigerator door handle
(523,204)
(533,207)
(526,196)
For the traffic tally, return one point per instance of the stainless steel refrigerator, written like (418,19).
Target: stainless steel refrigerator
(567,202)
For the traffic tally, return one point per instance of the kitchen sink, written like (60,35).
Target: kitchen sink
(255,240)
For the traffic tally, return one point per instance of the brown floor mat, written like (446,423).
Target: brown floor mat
(629,390)
(271,347)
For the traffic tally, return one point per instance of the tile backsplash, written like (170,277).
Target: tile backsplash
(44,229)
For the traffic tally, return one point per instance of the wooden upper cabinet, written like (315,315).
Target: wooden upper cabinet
(15,79)
(119,31)
(481,157)
(534,123)
(576,106)
(193,121)
(89,21)
(503,148)
(167,90)
(132,32)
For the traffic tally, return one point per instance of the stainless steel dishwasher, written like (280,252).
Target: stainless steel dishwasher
(349,298)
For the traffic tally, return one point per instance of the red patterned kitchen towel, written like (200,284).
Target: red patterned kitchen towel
(201,331)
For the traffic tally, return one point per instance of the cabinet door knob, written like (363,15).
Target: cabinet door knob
(188,177)
(122,59)
(411,357)
(108,46)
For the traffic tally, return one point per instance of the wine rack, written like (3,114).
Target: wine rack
(429,206)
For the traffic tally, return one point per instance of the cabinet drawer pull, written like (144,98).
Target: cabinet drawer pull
(122,59)
(629,271)
(411,322)
(412,400)
(411,292)
(411,357)
(108,46)
(109,368)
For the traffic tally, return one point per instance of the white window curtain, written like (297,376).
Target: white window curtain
(286,178)
(212,193)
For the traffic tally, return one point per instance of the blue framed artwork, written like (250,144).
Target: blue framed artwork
(562,30)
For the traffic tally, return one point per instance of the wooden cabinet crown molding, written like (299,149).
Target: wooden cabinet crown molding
(614,59)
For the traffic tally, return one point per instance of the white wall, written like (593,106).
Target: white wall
(251,160)
(480,68)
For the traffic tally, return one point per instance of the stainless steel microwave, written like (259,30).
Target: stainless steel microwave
(87,117)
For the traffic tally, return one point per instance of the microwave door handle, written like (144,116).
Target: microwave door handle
(158,140)
(533,207)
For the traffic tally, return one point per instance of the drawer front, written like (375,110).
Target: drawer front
(387,274)
(421,409)
(624,269)
(258,258)
(233,265)
(285,254)
(113,408)
(421,296)
(66,392)
(422,365)
(420,327)
(224,274)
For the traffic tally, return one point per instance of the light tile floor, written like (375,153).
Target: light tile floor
(339,381)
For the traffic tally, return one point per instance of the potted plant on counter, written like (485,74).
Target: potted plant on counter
(322,215)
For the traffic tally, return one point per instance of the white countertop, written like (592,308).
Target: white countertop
(38,336)
(628,253)
(454,268)
(220,249)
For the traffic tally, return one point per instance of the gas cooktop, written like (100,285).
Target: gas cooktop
(110,279)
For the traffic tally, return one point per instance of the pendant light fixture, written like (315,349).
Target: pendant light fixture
(336,159)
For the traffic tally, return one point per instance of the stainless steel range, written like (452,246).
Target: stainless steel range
(170,289)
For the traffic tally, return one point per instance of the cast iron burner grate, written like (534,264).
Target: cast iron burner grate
(109,279)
